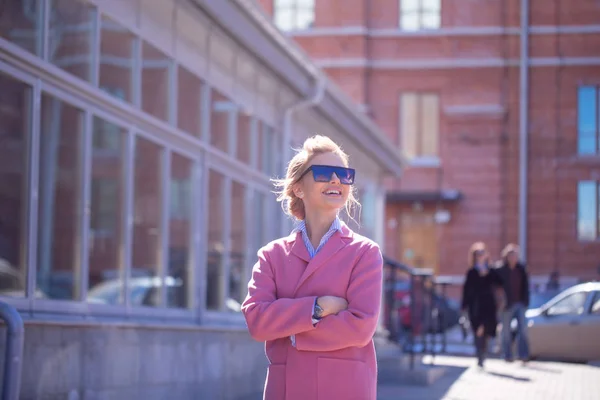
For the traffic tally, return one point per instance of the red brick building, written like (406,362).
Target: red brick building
(459,86)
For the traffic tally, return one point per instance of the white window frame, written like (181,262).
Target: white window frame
(296,8)
(420,13)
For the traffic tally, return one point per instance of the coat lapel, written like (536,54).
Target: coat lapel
(337,242)
(299,248)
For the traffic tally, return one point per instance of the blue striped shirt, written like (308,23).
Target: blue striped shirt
(301,227)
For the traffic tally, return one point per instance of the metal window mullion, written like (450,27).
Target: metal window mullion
(226,267)
(205,112)
(44,38)
(163,251)
(127,222)
(201,232)
(95,49)
(254,142)
(136,72)
(173,90)
(194,250)
(232,125)
(82,246)
(250,224)
(33,168)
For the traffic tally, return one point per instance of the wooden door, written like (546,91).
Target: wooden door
(418,240)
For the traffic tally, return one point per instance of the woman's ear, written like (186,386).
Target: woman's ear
(297,189)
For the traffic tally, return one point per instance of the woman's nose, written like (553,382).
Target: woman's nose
(334,178)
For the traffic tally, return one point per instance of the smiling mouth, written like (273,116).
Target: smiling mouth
(332,193)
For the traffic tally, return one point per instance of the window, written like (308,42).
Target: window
(155,82)
(420,14)
(106,211)
(71,33)
(419,124)
(588,215)
(59,212)
(570,305)
(293,15)
(21,23)
(15,114)
(588,121)
(147,229)
(177,282)
(117,59)
(215,283)
(595,308)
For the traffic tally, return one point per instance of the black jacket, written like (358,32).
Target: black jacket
(504,273)
(478,297)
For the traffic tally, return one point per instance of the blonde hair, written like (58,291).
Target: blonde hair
(313,146)
(510,248)
(477,246)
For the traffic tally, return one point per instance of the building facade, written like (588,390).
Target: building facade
(138,140)
(496,104)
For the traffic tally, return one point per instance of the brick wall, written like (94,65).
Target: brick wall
(479,152)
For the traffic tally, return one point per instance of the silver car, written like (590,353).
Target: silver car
(567,327)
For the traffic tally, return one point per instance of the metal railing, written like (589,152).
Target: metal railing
(13,352)
(417,309)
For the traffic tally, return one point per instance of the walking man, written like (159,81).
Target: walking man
(515,282)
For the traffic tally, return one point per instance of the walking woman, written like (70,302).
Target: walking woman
(479,299)
(314,296)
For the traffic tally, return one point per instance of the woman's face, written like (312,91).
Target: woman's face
(323,196)
(479,257)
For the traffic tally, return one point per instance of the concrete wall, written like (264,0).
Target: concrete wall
(129,362)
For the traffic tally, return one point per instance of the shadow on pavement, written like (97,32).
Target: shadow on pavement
(509,376)
(541,369)
(436,391)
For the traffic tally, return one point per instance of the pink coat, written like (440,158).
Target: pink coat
(334,360)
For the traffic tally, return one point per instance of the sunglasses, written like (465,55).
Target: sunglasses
(324,173)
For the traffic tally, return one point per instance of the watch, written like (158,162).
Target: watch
(317,311)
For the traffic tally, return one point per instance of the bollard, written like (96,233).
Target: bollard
(15,336)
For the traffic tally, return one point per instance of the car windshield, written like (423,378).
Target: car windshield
(539,299)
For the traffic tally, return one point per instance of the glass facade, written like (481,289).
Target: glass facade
(108,216)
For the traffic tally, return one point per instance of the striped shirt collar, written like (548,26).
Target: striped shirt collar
(336,226)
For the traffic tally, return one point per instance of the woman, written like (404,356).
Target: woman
(314,296)
(479,299)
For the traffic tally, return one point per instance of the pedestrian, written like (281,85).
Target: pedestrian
(479,299)
(314,296)
(515,282)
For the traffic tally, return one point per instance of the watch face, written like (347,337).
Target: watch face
(318,311)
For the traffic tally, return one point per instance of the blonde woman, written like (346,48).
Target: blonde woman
(314,296)
(479,298)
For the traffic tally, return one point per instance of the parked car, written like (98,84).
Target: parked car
(567,327)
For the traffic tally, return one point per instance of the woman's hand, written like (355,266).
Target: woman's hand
(332,304)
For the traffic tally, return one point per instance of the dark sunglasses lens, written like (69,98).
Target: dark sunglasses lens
(346,175)
(323,173)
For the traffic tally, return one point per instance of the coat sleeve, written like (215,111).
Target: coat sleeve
(467,291)
(355,326)
(270,318)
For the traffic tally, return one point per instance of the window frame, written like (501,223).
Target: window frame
(295,9)
(595,217)
(419,158)
(420,12)
(596,133)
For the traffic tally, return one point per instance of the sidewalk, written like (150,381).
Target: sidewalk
(501,380)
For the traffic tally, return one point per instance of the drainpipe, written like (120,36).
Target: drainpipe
(523,126)
(320,87)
